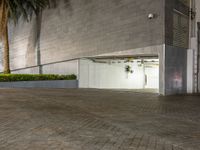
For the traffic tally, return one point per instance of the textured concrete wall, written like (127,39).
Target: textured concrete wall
(198,44)
(78,28)
(32,70)
(68,67)
(195,45)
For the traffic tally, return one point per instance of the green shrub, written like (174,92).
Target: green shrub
(34,77)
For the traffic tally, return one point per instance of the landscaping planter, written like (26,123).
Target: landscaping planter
(41,84)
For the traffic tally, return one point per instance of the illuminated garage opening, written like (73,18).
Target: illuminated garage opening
(119,73)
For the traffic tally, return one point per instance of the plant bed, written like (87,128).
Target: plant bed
(37,81)
(34,77)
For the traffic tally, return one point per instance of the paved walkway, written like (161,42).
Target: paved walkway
(45,119)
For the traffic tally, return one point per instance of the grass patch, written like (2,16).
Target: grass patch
(34,77)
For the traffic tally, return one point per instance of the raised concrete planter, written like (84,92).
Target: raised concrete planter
(41,84)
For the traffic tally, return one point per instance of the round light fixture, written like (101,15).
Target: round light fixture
(151,16)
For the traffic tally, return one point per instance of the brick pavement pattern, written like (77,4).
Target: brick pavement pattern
(82,119)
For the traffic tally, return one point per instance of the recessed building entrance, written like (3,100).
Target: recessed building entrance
(119,73)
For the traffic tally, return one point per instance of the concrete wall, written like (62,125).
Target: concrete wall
(79,28)
(194,44)
(198,46)
(41,84)
(67,67)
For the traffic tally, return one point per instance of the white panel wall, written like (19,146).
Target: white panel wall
(152,77)
(190,71)
(113,75)
(84,73)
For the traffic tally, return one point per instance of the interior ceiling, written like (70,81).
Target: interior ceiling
(127,60)
(123,57)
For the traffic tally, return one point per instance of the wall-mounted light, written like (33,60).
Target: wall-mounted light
(151,16)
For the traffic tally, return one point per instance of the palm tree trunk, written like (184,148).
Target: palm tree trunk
(6,62)
(38,27)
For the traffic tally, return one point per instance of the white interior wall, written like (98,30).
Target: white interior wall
(152,77)
(113,75)
(190,70)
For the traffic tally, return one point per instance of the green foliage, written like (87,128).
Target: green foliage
(34,77)
(24,8)
(14,10)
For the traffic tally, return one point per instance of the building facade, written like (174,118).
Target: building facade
(124,44)
(193,56)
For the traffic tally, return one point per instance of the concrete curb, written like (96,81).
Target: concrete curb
(41,84)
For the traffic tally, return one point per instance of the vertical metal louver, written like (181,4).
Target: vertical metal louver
(181,23)
(180,30)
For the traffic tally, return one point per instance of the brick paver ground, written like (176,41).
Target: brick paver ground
(42,119)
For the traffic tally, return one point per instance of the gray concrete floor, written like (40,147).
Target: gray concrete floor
(82,119)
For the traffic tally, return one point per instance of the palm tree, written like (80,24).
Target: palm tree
(13,10)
